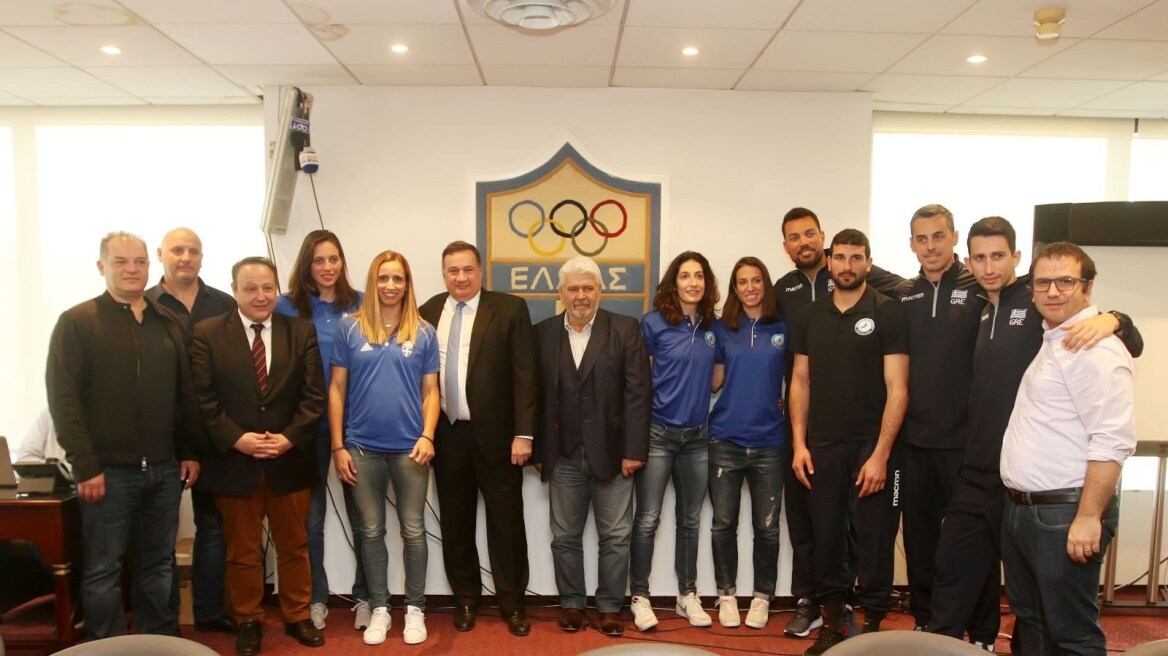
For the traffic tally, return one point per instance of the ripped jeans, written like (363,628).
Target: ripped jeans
(763,470)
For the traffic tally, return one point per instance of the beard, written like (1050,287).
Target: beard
(857,279)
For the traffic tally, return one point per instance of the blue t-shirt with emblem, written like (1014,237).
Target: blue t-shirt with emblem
(749,412)
(383,403)
(683,364)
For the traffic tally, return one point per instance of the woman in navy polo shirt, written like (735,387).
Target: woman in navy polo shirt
(680,341)
(383,408)
(747,427)
(319,291)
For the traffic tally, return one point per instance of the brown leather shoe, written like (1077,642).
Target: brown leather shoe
(610,624)
(571,620)
(251,634)
(305,633)
(518,624)
(464,618)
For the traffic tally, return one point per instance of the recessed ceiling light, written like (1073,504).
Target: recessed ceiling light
(111,50)
(976,59)
(689,51)
(399,48)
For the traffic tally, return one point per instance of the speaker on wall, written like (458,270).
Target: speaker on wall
(1143,223)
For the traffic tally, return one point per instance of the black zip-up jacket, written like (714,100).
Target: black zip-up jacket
(942,332)
(1008,338)
(95,390)
(796,290)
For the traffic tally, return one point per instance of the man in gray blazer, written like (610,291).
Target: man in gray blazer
(591,435)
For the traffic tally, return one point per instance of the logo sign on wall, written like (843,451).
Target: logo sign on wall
(531,224)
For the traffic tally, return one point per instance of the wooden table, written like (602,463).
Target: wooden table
(53,524)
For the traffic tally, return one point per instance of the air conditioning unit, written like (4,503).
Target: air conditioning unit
(283,155)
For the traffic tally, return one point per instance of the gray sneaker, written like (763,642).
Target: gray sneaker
(807,618)
(362,613)
(318,612)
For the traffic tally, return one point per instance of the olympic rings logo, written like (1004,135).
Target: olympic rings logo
(587,218)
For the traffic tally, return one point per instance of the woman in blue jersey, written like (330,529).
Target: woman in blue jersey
(319,291)
(747,428)
(383,408)
(680,342)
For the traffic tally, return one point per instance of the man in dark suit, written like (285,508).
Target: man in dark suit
(260,384)
(592,435)
(488,387)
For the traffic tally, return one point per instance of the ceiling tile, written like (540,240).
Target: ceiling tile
(675,78)
(14,52)
(703,13)
(928,89)
(52,12)
(1014,18)
(302,75)
(13,101)
(422,76)
(1003,111)
(1109,113)
(876,16)
(1163,77)
(1105,60)
(1148,24)
(249,44)
(141,45)
(837,51)
(757,80)
(587,45)
(661,46)
(429,44)
(909,107)
(1053,94)
(212,12)
(505,75)
(944,54)
(610,19)
(1152,96)
(364,12)
(169,81)
(42,83)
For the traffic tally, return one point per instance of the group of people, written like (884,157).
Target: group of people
(883,396)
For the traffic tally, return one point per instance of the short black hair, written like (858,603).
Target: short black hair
(796,213)
(852,237)
(1061,249)
(254,259)
(992,226)
(458,247)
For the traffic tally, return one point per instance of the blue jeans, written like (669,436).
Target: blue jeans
(208,560)
(573,486)
(684,455)
(763,470)
(1053,597)
(317,509)
(375,472)
(140,508)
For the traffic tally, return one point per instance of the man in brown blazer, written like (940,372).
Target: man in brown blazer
(488,387)
(260,384)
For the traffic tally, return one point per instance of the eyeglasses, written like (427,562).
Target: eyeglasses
(1065,284)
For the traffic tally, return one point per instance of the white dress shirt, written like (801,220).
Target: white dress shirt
(578,339)
(265,337)
(468,316)
(1071,408)
(40,442)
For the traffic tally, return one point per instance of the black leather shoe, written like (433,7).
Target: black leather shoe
(517,624)
(610,624)
(221,624)
(305,633)
(247,642)
(572,620)
(464,618)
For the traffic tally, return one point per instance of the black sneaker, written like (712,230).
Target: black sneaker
(824,641)
(872,622)
(806,619)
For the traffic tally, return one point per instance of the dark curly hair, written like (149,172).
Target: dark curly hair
(667,301)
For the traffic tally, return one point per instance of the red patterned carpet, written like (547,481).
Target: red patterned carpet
(1124,630)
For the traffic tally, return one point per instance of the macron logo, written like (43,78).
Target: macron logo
(914,297)
(795,288)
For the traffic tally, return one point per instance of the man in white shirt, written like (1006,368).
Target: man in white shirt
(1071,429)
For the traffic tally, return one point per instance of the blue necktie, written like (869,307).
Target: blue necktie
(452,363)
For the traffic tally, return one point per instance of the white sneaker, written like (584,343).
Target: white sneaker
(690,607)
(379,623)
(643,616)
(318,612)
(728,612)
(363,613)
(415,629)
(759,613)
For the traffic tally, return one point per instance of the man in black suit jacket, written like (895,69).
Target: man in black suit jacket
(261,404)
(484,436)
(592,435)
